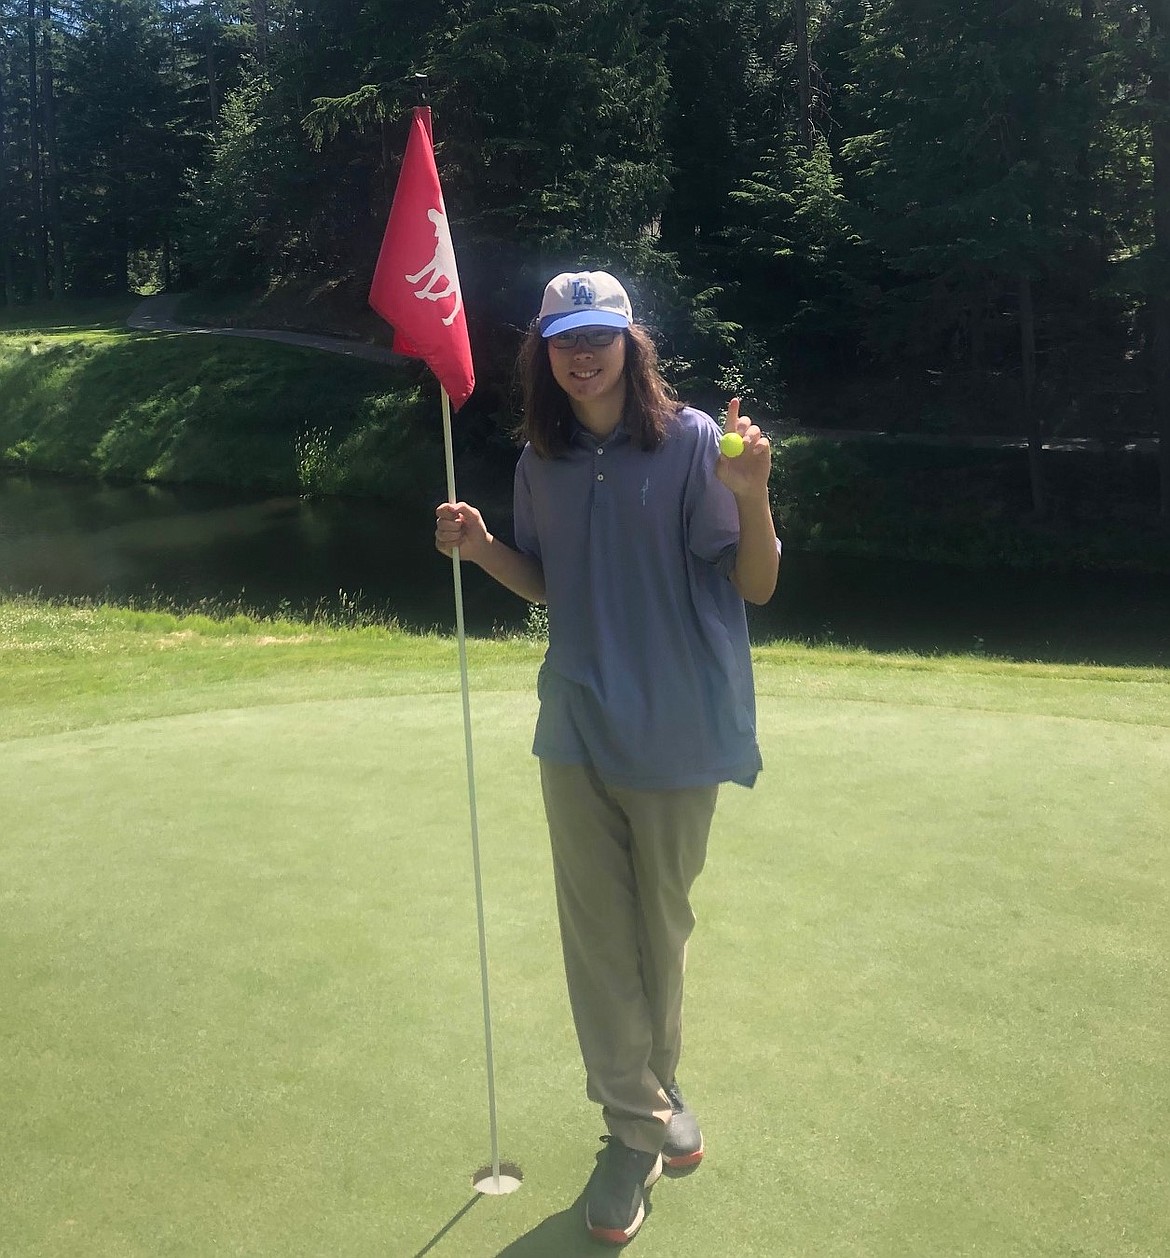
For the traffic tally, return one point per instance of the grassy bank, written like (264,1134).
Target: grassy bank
(81,395)
(238,955)
(84,396)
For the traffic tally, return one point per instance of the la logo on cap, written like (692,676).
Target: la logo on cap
(577,299)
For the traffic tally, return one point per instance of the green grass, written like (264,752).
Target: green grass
(75,315)
(927,1006)
(88,397)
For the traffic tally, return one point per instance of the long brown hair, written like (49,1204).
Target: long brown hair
(548,421)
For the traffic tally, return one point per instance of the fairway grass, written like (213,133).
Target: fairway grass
(239,988)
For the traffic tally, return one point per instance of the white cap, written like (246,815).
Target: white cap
(584,299)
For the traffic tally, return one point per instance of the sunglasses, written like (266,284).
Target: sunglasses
(595,338)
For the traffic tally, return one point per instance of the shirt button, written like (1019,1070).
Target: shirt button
(600,476)
(600,450)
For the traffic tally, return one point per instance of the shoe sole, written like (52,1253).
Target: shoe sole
(683,1161)
(622,1236)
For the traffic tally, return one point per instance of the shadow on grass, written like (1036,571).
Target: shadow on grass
(438,1236)
(561,1234)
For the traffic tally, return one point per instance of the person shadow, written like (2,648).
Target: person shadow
(561,1235)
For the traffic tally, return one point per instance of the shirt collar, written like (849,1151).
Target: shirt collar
(583,438)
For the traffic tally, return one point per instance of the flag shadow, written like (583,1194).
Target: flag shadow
(438,1236)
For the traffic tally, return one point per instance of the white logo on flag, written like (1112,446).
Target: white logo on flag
(440,269)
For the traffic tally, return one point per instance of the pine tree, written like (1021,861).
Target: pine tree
(970,179)
(1158,15)
(35,154)
(552,118)
(123,142)
(731,69)
(8,209)
(52,166)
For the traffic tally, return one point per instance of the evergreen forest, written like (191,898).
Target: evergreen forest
(915,215)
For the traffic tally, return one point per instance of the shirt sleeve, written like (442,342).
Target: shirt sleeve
(711,514)
(523,512)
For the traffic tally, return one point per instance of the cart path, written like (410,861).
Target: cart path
(157,314)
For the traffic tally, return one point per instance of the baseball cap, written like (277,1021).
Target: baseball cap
(578,299)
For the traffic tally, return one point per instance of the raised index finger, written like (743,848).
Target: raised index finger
(732,415)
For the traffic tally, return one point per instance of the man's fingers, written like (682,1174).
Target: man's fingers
(732,415)
(448,526)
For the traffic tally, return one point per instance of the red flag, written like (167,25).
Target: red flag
(416,285)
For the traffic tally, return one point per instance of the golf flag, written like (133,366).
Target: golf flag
(416,290)
(416,284)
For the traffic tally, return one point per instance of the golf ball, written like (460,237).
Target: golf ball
(731,445)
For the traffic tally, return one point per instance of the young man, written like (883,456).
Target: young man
(644,541)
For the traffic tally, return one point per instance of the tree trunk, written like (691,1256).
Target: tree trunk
(260,22)
(1159,14)
(803,74)
(1032,422)
(7,275)
(209,29)
(52,165)
(977,339)
(387,171)
(37,191)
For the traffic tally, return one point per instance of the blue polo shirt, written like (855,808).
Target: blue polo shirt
(648,674)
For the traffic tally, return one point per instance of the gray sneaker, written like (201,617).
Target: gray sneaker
(683,1149)
(615,1197)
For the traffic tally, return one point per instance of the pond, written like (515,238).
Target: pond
(183,544)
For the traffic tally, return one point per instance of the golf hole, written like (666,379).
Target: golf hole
(483,1181)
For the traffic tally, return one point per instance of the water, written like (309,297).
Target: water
(81,539)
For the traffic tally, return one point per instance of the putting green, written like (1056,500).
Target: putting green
(239,976)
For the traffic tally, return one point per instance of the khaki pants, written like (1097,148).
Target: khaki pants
(624,862)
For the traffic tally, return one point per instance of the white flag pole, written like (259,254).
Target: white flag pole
(495,1187)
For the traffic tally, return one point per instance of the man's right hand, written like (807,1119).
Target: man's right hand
(460,524)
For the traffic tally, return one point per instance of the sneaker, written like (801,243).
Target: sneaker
(683,1148)
(615,1197)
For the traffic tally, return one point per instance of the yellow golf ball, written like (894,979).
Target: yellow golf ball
(731,445)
